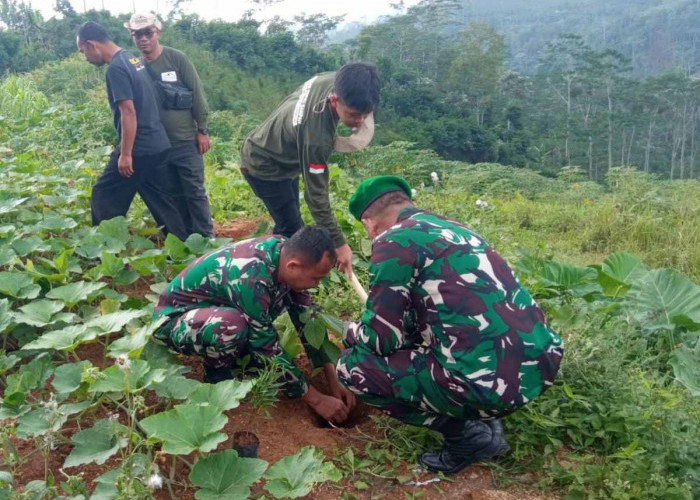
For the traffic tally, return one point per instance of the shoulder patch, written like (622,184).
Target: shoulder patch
(136,62)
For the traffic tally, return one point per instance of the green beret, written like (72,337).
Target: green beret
(370,189)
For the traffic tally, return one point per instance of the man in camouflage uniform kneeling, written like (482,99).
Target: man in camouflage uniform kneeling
(223,305)
(450,339)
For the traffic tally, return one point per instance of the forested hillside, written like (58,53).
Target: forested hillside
(655,35)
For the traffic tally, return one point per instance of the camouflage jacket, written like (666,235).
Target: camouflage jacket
(437,286)
(244,275)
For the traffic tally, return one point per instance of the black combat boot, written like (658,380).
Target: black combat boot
(212,375)
(477,441)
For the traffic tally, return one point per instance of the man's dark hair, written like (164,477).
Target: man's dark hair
(92,32)
(357,86)
(310,243)
(385,201)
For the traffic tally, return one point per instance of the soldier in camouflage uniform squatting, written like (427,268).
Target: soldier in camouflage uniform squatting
(450,339)
(223,305)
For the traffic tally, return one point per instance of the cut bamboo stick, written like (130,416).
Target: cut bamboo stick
(359,290)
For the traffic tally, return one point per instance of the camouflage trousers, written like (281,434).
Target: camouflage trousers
(411,386)
(218,334)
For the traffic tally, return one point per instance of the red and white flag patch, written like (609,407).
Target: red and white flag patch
(317,168)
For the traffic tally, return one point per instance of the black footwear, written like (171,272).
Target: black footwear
(478,441)
(214,375)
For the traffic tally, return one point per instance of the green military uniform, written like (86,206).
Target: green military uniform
(223,305)
(297,140)
(448,330)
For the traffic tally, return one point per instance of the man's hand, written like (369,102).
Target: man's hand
(328,407)
(337,389)
(344,259)
(203,143)
(125,165)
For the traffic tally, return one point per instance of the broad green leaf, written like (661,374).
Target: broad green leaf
(7,206)
(114,322)
(68,377)
(126,277)
(111,264)
(7,255)
(175,387)
(54,222)
(31,376)
(187,428)
(685,362)
(138,376)
(106,489)
(116,234)
(27,245)
(198,244)
(6,319)
(315,331)
(7,362)
(39,312)
(135,341)
(331,351)
(42,420)
(622,268)
(295,476)
(76,292)
(226,476)
(96,444)
(19,285)
(566,275)
(661,295)
(175,248)
(224,395)
(64,339)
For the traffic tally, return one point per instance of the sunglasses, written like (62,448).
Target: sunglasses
(142,33)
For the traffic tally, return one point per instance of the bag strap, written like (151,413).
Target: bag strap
(152,74)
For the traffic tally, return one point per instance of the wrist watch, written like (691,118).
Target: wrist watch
(203,130)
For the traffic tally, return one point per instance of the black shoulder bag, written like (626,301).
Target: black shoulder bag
(173,95)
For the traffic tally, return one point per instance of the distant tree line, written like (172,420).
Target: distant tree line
(447,85)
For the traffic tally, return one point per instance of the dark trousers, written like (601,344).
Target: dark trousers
(112,194)
(282,201)
(186,166)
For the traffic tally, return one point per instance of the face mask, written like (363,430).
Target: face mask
(359,139)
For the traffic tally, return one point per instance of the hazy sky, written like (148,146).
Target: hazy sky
(356,10)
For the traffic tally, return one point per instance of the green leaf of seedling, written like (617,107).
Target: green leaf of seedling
(187,428)
(76,292)
(175,387)
(55,223)
(331,351)
(7,362)
(39,312)
(19,285)
(96,444)
(126,277)
(198,244)
(295,476)
(315,331)
(335,324)
(138,376)
(224,395)
(226,476)
(67,378)
(106,488)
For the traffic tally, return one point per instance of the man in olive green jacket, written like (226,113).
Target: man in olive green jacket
(299,137)
(183,112)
